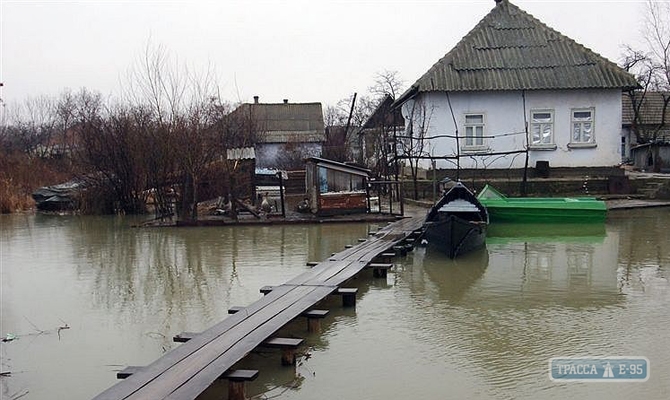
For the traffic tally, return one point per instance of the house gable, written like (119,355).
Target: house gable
(288,122)
(513,85)
(510,49)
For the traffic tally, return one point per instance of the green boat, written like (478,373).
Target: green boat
(541,209)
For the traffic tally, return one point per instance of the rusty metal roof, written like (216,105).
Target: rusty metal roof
(510,49)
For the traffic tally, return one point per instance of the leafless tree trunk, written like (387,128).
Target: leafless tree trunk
(412,147)
(183,110)
(652,69)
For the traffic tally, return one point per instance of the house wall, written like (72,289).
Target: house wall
(504,115)
(267,154)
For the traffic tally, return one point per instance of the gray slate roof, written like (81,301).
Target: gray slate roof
(651,110)
(510,49)
(289,122)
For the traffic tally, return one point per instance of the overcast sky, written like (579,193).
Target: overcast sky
(305,51)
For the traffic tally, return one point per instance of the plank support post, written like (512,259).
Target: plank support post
(236,382)
(314,318)
(401,250)
(348,296)
(266,289)
(127,371)
(288,347)
(380,270)
(235,309)
(183,337)
(386,256)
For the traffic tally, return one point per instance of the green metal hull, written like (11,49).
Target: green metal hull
(536,210)
(541,209)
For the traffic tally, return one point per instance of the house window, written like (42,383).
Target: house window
(542,129)
(583,128)
(474,131)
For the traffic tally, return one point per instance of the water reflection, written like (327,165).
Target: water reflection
(133,288)
(452,279)
(537,292)
(480,326)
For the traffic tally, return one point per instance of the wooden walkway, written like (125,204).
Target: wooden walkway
(187,370)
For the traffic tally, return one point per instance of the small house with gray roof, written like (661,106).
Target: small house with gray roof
(511,84)
(287,132)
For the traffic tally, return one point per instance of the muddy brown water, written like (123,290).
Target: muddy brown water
(83,297)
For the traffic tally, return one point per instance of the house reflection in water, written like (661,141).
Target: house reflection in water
(572,265)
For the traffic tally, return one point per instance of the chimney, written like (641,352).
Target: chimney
(285,101)
(255,99)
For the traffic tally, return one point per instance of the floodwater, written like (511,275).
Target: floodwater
(82,297)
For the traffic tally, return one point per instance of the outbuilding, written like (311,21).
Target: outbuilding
(336,188)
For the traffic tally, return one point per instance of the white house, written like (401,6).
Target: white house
(514,83)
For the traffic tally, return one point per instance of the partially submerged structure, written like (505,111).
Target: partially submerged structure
(59,198)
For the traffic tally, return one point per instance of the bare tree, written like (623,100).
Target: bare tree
(652,69)
(386,83)
(183,109)
(34,123)
(343,122)
(412,146)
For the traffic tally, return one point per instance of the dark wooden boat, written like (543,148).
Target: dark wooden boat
(457,223)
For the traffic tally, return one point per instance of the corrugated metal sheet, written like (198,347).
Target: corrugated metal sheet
(284,122)
(651,108)
(510,49)
(241,153)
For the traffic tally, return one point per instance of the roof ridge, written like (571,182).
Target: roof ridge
(509,38)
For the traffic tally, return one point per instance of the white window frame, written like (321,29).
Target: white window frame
(538,126)
(580,125)
(472,141)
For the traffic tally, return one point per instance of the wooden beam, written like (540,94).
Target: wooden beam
(127,371)
(236,382)
(314,318)
(288,346)
(380,270)
(266,289)
(184,337)
(348,296)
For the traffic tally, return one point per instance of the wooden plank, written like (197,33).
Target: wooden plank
(254,329)
(209,356)
(137,381)
(208,374)
(127,371)
(189,369)
(184,337)
(379,266)
(315,313)
(279,342)
(240,375)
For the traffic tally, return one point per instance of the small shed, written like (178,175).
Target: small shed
(652,157)
(336,188)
